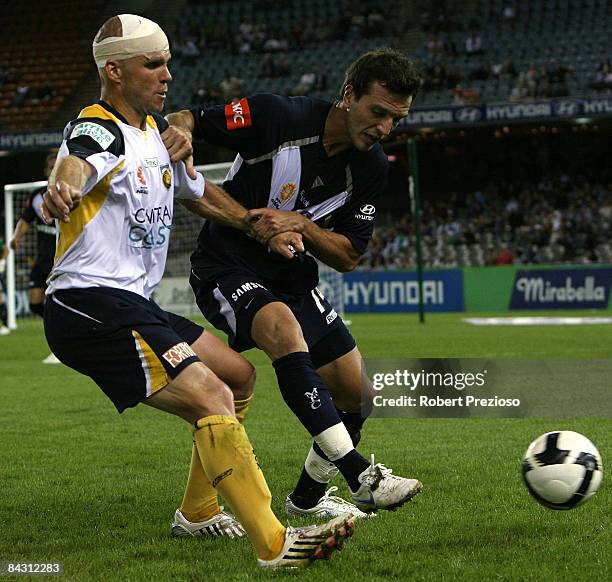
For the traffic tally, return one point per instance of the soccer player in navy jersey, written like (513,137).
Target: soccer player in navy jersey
(313,168)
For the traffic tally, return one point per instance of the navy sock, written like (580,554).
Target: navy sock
(351,466)
(308,492)
(3,314)
(305,392)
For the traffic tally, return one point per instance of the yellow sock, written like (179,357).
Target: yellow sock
(200,501)
(229,461)
(241,407)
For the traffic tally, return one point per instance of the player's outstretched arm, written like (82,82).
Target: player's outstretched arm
(332,248)
(20,229)
(181,119)
(220,207)
(65,188)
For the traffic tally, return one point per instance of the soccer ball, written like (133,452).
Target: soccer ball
(562,469)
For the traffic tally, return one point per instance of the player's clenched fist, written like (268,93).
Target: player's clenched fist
(287,244)
(59,201)
(266,222)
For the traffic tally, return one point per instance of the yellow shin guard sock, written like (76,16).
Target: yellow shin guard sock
(241,407)
(200,501)
(229,461)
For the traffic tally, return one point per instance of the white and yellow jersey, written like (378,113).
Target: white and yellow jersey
(118,236)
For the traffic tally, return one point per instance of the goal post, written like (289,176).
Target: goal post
(17,267)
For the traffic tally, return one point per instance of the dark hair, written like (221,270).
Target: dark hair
(389,67)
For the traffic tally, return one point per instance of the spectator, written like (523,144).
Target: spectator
(435,46)
(603,79)
(519,91)
(473,45)
(231,87)
(463,96)
(305,84)
(23,92)
(504,256)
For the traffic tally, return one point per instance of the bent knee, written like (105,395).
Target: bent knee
(211,396)
(248,385)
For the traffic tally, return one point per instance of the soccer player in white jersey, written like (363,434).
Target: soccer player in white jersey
(113,188)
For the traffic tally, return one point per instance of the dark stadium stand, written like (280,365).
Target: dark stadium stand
(473,51)
(556,47)
(43,60)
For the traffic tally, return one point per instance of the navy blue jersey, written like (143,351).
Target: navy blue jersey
(45,233)
(281,163)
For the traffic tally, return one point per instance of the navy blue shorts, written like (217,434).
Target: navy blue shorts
(127,344)
(236,297)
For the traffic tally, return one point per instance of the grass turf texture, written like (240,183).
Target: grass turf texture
(97,491)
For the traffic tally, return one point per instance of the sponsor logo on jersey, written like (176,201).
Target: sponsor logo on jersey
(141,176)
(305,202)
(245,288)
(287,191)
(152,229)
(366,212)
(331,316)
(178,354)
(99,134)
(151,163)
(238,115)
(166,176)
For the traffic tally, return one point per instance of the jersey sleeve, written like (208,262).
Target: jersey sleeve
(184,186)
(241,126)
(356,221)
(97,141)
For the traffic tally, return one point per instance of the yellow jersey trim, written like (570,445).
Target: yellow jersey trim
(158,377)
(90,205)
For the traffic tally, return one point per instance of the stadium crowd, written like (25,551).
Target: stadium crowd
(559,219)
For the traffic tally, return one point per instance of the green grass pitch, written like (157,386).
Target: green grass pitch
(96,491)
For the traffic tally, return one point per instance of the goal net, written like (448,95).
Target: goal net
(19,262)
(173,293)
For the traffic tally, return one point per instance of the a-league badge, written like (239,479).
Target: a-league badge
(166,176)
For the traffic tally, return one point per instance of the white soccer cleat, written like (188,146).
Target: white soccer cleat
(4,330)
(329,506)
(222,524)
(306,544)
(380,489)
(51,359)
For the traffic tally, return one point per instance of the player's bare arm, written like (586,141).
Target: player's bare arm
(182,120)
(220,207)
(332,248)
(20,230)
(64,191)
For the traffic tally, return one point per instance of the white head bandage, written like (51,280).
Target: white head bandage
(139,36)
